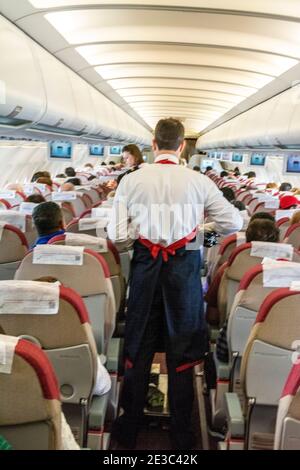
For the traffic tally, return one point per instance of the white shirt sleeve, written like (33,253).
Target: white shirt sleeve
(117,228)
(226,217)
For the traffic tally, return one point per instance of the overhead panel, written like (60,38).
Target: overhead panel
(196,60)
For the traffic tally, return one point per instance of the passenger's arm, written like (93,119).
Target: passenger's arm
(226,217)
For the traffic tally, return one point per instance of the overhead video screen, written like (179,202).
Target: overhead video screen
(292,163)
(96,150)
(115,151)
(237,158)
(61,150)
(258,159)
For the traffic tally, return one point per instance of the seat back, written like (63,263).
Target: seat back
(292,236)
(245,257)
(13,247)
(227,246)
(283,225)
(287,434)
(55,318)
(30,411)
(267,359)
(109,252)
(88,274)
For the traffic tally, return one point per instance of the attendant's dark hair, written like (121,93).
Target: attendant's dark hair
(169,134)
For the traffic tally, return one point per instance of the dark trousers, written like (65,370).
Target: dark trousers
(136,381)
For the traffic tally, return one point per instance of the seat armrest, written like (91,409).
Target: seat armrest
(235,418)
(114,353)
(98,411)
(223,369)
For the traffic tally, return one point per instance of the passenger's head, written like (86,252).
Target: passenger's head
(103,164)
(67,187)
(295,218)
(45,180)
(111,162)
(288,202)
(285,186)
(251,174)
(36,176)
(169,136)
(262,215)
(228,194)
(89,165)
(239,205)
(272,186)
(47,218)
(262,230)
(60,175)
(74,181)
(132,155)
(196,168)
(70,172)
(91,178)
(224,174)
(208,168)
(35,198)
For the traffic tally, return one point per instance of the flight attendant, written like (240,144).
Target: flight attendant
(160,207)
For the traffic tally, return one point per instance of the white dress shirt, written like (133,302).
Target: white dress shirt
(166,202)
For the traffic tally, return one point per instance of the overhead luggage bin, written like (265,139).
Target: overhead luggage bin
(24,101)
(258,123)
(61,109)
(279,120)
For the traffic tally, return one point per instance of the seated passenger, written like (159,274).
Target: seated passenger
(242,208)
(74,181)
(45,180)
(48,220)
(262,215)
(236,171)
(67,187)
(285,187)
(60,175)
(208,168)
(288,202)
(228,194)
(70,172)
(262,230)
(35,198)
(224,174)
(89,165)
(295,218)
(272,186)
(196,168)
(40,174)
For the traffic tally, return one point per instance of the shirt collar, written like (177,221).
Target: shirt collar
(167,156)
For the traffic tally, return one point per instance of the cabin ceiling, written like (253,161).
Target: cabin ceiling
(196,60)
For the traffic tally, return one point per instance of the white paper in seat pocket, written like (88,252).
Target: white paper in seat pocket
(295,285)
(280,214)
(29,297)
(7,352)
(88,241)
(280,273)
(103,212)
(272,204)
(27,208)
(14,218)
(7,194)
(272,250)
(57,254)
(64,196)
